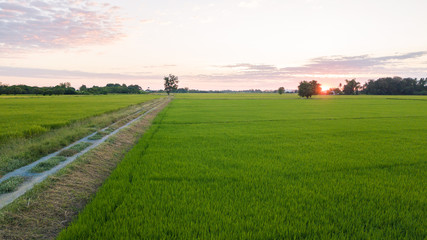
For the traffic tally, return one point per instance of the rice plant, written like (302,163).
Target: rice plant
(236,167)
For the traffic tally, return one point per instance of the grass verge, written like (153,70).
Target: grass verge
(46,165)
(11,184)
(109,130)
(45,210)
(99,135)
(74,149)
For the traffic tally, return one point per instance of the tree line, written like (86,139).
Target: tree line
(187,90)
(396,86)
(381,86)
(66,89)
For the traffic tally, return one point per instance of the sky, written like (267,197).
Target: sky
(211,45)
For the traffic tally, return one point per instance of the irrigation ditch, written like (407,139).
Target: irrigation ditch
(16,183)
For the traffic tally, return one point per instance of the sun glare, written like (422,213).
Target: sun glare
(324,87)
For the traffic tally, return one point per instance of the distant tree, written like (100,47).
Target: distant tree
(83,88)
(94,90)
(16,90)
(182,90)
(70,91)
(317,89)
(2,88)
(281,90)
(171,83)
(422,84)
(305,89)
(421,87)
(395,86)
(134,89)
(58,90)
(308,89)
(38,91)
(351,87)
(334,91)
(65,85)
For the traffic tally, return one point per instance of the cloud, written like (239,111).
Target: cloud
(351,64)
(145,21)
(31,25)
(335,67)
(249,4)
(66,74)
(247,75)
(338,65)
(160,66)
(252,67)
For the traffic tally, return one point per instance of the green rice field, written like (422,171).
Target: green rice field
(264,166)
(26,116)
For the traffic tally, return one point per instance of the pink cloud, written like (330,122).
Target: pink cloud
(34,25)
(330,70)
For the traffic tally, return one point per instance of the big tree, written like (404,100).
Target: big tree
(351,87)
(307,89)
(171,83)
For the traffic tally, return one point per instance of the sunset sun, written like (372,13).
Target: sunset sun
(324,87)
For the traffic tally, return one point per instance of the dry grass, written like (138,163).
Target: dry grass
(44,211)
